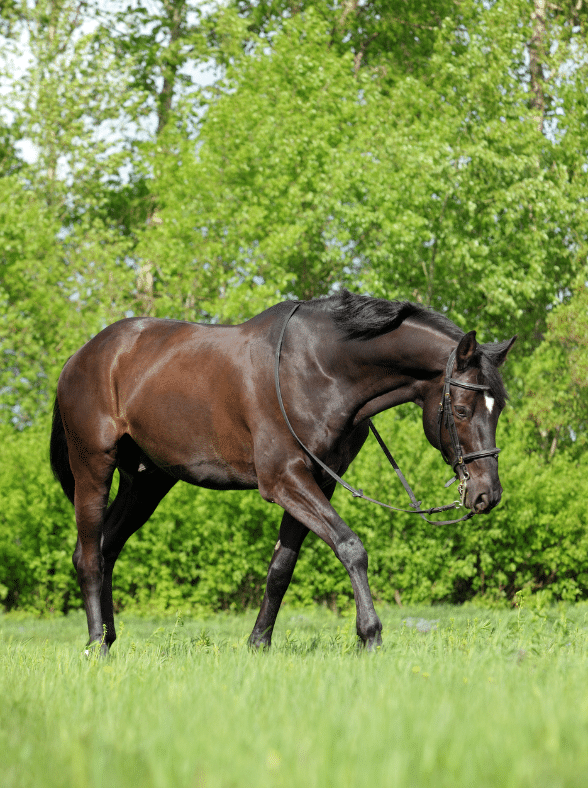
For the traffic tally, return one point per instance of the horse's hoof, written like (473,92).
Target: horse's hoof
(96,649)
(371,645)
(258,644)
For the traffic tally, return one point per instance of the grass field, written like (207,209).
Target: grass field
(456,697)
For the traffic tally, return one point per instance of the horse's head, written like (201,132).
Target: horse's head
(460,417)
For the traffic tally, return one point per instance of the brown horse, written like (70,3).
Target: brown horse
(167,400)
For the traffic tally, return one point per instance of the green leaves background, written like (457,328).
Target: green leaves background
(204,162)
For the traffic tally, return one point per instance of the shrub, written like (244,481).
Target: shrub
(210,550)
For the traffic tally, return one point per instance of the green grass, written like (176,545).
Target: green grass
(456,697)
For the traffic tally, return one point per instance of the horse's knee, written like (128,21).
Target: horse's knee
(87,564)
(352,554)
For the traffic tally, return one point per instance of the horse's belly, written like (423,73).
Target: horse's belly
(200,457)
(215,475)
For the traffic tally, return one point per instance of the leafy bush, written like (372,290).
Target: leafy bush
(210,550)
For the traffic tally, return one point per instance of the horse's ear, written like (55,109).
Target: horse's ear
(504,351)
(465,350)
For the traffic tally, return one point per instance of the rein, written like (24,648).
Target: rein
(445,409)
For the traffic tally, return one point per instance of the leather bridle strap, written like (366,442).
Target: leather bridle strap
(359,493)
(445,416)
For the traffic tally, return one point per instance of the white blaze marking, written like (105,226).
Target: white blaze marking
(489,402)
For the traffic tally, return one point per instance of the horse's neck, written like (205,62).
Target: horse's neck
(399,366)
(412,346)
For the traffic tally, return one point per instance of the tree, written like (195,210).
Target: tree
(430,151)
(62,255)
(248,212)
(555,398)
(430,181)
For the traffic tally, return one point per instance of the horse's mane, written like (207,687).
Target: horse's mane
(363,317)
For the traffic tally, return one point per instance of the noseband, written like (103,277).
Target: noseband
(445,416)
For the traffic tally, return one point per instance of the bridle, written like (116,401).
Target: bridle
(445,410)
(445,416)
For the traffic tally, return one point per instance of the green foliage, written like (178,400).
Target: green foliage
(203,548)
(210,550)
(410,150)
(434,183)
(36,538)
(56,289)
(27,309)
(556,375)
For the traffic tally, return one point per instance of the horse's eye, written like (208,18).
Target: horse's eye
(461,412)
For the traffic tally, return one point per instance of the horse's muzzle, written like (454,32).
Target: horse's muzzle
(486,501)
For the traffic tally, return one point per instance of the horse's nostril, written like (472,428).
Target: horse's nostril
(482,503)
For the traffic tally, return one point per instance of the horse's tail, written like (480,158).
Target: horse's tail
(58,455)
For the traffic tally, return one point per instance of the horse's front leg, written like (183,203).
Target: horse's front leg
(281,568)
(299,494)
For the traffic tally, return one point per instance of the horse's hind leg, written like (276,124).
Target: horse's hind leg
(93,476)
(137,498)
(281,569)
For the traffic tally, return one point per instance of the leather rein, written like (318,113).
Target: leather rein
(444,416)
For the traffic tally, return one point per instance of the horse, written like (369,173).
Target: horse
(281,403)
